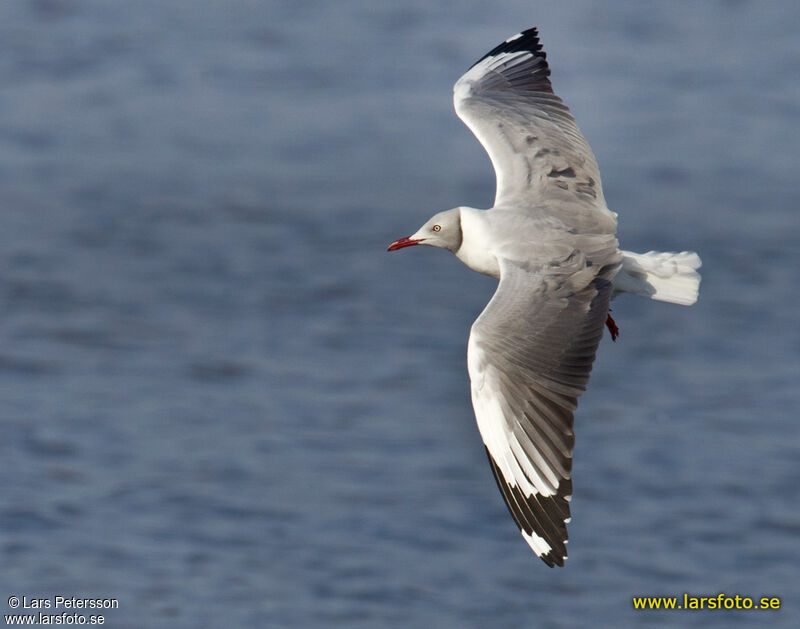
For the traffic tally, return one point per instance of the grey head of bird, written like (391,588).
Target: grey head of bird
(441,230)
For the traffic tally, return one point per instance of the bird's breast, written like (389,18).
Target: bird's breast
(479,259)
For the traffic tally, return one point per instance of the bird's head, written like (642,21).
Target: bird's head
(442,230)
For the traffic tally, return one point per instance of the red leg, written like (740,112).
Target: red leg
(612,327)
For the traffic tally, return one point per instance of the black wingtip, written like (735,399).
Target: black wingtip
(538,515)
(553,559)
(527,40)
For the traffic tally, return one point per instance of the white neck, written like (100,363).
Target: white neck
(474,251)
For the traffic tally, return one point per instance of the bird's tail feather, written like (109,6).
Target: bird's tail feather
(664,276)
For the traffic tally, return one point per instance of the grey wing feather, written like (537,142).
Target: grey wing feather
(539,155)
(530,355)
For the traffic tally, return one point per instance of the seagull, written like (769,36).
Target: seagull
(550,241)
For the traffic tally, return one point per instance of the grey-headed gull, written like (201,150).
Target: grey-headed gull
(550,240)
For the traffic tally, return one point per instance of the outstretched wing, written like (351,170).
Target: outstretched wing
(530,354)
(538,152)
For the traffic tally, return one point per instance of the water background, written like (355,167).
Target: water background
(224,404)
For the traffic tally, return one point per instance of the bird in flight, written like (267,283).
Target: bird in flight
(550,241)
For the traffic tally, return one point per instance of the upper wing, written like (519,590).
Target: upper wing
(530,353)
(538,152)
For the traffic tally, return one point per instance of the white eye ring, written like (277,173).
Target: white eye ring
(437,228)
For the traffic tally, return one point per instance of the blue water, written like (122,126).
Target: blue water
(225,405)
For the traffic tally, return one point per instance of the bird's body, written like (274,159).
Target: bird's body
(529,237)
(550,240)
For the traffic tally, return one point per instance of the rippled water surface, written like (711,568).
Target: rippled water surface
(225,405)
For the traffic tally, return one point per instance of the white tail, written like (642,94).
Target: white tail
(671,277)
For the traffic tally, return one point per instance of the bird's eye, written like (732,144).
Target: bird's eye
(437,228)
